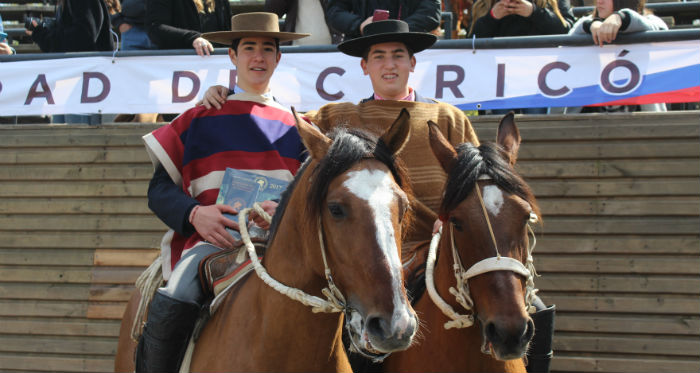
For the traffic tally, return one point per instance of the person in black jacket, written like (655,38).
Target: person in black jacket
(130,20)
(351,16)
(179,24)
(493,18)
(80,26)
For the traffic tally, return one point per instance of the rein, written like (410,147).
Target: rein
(334,302)
(462,276)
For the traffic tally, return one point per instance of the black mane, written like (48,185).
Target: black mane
(471,163)
(350,145)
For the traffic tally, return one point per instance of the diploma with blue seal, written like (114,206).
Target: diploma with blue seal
(240,189)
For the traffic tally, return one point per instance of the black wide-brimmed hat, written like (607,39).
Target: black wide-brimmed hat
(390,30)
(250,25)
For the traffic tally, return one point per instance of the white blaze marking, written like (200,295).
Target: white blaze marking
(493,199)
(375,187)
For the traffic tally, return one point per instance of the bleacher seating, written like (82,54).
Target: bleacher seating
(677,14)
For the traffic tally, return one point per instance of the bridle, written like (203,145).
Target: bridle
(462,276)
(334,302)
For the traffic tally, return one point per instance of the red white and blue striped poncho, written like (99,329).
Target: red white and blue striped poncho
(250,132)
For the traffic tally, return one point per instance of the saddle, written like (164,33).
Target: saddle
(220,271)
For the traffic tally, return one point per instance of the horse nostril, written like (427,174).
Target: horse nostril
(379,327)
(492,333)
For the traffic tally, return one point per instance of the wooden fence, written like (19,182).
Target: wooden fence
(619,251)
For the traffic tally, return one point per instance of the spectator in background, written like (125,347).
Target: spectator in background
(5,48)
(611,17)
(179,24)
(129,17)
(351,16)
(79,26)
(303,16)
(520,18)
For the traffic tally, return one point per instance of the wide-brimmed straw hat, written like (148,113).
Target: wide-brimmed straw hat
(253,24)
(390,30)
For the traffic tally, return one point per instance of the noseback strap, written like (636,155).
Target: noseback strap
(491,264)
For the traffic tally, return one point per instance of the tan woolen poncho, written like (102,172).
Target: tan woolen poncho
(427,177)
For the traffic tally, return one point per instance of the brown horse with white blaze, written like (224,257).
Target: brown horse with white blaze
(339,226)
(479,269)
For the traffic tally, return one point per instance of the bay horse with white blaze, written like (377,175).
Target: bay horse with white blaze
(480,265)
(337,231)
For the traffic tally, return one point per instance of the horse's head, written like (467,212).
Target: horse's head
(359,195)
(488,207)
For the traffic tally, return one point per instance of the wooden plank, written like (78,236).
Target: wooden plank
(644,149)
(53,136)
(618,283)
(20,156)
(661,206)
(47,257)
(120,171)
(637,304)
(638,345)
(629,264)
(56,363)
(577,244)
(111,293)
(58,274)
(604,168)
(595,126)
(615,187)
(50,205)
(626,364)
(59,327)
(107,188)
(85,240)
(139,258)
(95,222)
(43,308)
(624,324)
(44,291)
(116,275)
(106,310)
(633,225)
(58,345)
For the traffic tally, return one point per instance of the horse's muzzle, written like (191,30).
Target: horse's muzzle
(507,341)
(391,334)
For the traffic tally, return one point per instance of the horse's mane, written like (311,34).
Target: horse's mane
(350,145)
(472,162)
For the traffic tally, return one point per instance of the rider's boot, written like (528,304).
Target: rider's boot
(166,334)
(539,355)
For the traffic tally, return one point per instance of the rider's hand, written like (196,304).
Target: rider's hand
(202,46)
(211,224)
(215,96)
(269,207)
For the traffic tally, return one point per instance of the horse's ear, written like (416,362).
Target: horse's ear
(443,150)
(316,142)
(398,134)
(509,137)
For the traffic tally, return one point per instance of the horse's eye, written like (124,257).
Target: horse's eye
(456,223)
(337,211)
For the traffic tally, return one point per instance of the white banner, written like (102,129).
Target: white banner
(503,78)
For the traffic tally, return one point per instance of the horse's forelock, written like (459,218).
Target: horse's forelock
(472,162)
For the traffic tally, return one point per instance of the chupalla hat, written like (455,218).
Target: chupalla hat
(390,30)
(253,24)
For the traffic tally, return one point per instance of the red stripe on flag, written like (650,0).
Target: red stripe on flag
(691,94)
